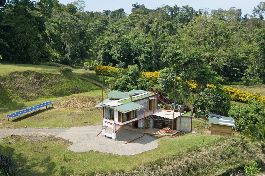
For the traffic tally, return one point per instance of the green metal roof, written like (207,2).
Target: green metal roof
(148,94)
(128,107)
(136,92)
(116,95)
(221,120)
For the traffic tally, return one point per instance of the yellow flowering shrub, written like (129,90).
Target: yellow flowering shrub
(235,94)
(211,86)
(243,96)
(192,84)
(151,75)
(107,70)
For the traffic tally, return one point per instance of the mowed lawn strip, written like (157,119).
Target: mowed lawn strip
(8,68)
(39,156)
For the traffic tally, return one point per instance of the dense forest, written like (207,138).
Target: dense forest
(225,43)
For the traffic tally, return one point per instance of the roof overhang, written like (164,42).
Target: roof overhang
(128,107)
(167,114)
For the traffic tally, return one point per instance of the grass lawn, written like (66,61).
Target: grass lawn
(8,68)
(57,117)
(258,89)
(199,125)
(51,157)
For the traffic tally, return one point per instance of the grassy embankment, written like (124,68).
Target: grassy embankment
(26,85)
(191,154)
(51,157)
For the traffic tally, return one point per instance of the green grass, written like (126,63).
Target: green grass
(5,69)
(258,89)
(199,125)
(51,157)
(18,88)
(28,89)
(57,117)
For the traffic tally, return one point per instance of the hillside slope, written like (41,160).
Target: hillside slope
(18,87)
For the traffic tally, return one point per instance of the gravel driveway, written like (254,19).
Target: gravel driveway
(85,139)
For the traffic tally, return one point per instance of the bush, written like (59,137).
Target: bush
(250,119)
(107,70)
(252,169)
(151,75)
(91,64)
(213,100)
(243,96)
(66,70)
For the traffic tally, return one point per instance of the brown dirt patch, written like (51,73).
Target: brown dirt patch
(78,102)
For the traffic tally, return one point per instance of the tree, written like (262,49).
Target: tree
(21,27)
(67,40)
(126,80)
(214,100)
(259,10)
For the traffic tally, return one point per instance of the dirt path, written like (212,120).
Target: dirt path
(85,139)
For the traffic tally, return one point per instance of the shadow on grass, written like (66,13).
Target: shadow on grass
(14,163)
(6,102)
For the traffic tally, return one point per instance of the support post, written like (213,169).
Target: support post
(114,131)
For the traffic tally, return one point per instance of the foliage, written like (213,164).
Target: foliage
(66,70)
(127,80)
(173,86)
(213,100)
(21,31)
(152,75)
(206,47)
(167,80)
(250,119)
(243,96)
(91,64)
(252,169)
(107,70)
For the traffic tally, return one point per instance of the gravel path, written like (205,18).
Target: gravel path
(85,139)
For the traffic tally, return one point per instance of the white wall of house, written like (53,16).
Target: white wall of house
(116,116)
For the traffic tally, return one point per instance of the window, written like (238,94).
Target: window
(119,117)
(123,117)
(111,114)
(152,104)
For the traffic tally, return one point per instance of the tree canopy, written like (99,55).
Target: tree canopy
(222,44)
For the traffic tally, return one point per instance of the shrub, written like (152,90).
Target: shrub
(91,64)
(250,119)
(252,169)
(151,75)
(66,70)
(107,70)
(192,85)
(243,96)
(213,100)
